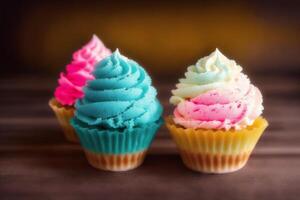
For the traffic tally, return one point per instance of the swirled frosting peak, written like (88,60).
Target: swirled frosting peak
(79,71)
(215,94)
(210,72)
(121,95)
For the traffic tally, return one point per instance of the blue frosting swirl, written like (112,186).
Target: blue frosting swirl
(120,96)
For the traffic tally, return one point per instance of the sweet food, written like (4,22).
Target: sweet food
(119,114)
(217,115)
(70,84)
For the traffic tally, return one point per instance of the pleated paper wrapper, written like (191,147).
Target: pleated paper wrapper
(114,149)
(216,151)
(64,115)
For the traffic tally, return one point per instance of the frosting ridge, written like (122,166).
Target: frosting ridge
(215,94)
(121,95)
(211,72)
(79,71)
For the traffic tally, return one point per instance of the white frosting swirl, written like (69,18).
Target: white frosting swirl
(211,72)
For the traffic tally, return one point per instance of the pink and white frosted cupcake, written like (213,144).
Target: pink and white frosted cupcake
(70,84)
(216,122)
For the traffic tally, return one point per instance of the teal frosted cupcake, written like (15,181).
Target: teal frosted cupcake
(119,115)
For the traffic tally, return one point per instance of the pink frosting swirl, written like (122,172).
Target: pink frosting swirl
(236,106)
(79,71)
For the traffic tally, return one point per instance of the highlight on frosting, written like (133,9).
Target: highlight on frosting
(79,71)
(215,94)
(121,95)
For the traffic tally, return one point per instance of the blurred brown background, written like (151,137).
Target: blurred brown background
(37,40)
(164,36)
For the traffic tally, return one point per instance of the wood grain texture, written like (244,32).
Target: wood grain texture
(37,163)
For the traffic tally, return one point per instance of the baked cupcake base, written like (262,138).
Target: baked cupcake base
(216,151)
(115,162)
(214,163)
(64,115)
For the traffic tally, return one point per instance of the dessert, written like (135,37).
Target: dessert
(119,115)
(216,122)
(71,83)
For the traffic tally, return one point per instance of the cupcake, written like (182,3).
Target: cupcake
(119,115)
(217,119)
(71,83)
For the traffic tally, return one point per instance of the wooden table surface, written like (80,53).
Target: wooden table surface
(37,163)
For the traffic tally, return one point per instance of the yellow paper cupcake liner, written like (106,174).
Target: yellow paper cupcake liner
(115,162)
(216,151)
(64,115)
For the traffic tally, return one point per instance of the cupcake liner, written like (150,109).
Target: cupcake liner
(115,162)
(216,151)
(218,163)
(64,115)
(116,141)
